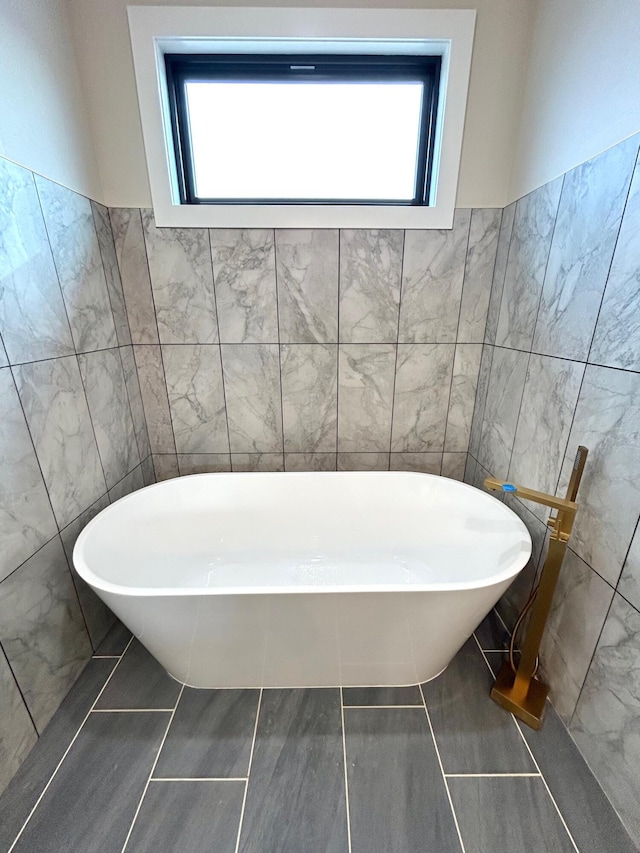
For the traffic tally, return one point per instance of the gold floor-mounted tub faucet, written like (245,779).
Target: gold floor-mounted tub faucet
(518,689)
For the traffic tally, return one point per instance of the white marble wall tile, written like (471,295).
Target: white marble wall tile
(252,390)
(580,605)
(629,584)
(432,277)
(533,225)
(607,422)
(165,466)
(203,463)
(133,481)
(481,398)
(591,206)
(98,617)
(247,462)
(42,630)
(606,725)
(499,271)
(307,269)
(135,400)
(182,283)
(4,361)
(17,734)
(309,397)
(365,397)
(148,473)
(310,462)
(453,465)
(111,272)
(55,406)
(196,398)
(244,272)
(504,393)
(131,252)
(548,403)
(426,463)
(478,274)
(153,390)
(26,518)
(422,388)
(33,320)
(470,470)
(106,391)
(370,274)
(617,338)
(76,253)
(363,461)
(466,366)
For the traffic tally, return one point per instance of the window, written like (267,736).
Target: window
(303,128)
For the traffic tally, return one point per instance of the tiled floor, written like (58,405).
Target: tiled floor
(134,762)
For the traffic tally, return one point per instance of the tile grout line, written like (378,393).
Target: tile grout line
(198,779)
(491,775)
(66,752)
(444,778)
(346,775)
(131,710)
(246,786)
(384,707)
(153,767)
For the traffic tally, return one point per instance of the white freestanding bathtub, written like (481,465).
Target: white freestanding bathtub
(292,580)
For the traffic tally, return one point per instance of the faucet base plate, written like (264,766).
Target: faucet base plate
(529,709)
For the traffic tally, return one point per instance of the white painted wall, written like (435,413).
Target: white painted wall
(43,123)
(582,90)
(503,30)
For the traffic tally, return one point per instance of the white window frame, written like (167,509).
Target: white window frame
(156,30)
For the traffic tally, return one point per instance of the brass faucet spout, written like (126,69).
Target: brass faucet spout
(561,504)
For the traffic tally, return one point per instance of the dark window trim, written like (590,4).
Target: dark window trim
(181,68)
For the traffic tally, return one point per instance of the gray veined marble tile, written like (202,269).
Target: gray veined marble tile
(514,599)
(497,284)
(42,630)
(504,393)
(17,734)
(466,367)
(182,283)
(203,463)
(165,466)
(370,273)
(478,274)
(481,398)
(425,463)
(26,518)
(111,272)
(135,400)
(470,470)
(528,254)
(106,391)
(252,389)
(548,403)
(196,398)
(617,337)
(591,206)
(148,474)
(247,462)
(309,396)
(422,388)
(310,461)
(580,605)
(126,224)
(244,270)
(607,422)
(307,268)
(365,396)
(153,389)
(453,465)
(606,725)
(33,320)
(56,410)
(432,277)
(133,481)
(629,584)
(363,461)
(76,252)
(4,361)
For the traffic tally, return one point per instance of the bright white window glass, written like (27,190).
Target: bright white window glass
(302,140)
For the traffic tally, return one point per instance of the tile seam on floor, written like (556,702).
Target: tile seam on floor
(131,711)
(66,752)
(378,707)
(444,778)
(536,765)
(106,657)
(246,785)
(153,767)
(344,761)
(198,779)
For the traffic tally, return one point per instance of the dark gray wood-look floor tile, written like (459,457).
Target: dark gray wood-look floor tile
(397,798)
(508,815)
(26,786)
(296,795)
(115,642)
(91,802)
(491,633)
(474,735)
(139,682)
(191,817)
(381,696)
(210,735)
(588,813)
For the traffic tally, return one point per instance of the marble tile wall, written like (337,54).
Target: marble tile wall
(561,367)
